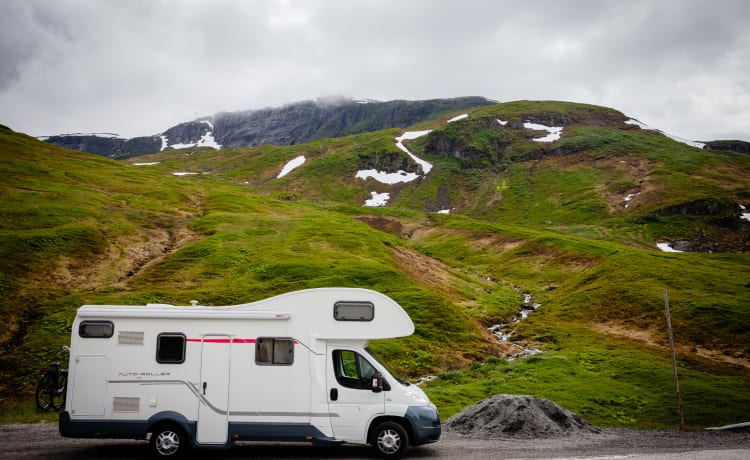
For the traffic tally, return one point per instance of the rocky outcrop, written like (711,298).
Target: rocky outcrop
(104,146)
(730,145)
(390,162)
(112,147)
(187,133)
(721,212)
(139,146)
(459,140)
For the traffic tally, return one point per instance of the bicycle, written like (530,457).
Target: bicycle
(52,386)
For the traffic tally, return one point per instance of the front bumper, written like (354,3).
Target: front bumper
(426,423)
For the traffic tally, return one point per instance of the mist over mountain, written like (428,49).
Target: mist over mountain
(286,125)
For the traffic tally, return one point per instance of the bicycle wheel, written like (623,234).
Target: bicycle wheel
(44,389)
(57,396)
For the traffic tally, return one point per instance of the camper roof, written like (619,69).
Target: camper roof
(326,313)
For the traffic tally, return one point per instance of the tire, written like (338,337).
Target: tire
(44,390)
(57,393)
(168,441)
(390,440)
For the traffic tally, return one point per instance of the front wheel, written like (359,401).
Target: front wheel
(390,440)
(168,441)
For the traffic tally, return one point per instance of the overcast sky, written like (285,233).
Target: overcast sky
(138,67)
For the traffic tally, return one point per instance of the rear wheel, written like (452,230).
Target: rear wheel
(168,441)
(57,395)
(44,390)
(390,440)
(50,391)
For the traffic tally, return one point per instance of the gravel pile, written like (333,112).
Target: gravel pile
(517,416)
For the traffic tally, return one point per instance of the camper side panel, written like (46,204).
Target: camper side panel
(137,370)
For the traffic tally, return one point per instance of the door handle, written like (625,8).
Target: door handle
(205,384)
(334,394)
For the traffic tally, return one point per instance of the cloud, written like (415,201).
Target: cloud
(141,66)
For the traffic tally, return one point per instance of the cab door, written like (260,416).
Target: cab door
(352,402)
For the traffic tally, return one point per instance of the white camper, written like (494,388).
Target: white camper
(294,367)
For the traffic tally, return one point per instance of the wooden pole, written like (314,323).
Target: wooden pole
(677,396)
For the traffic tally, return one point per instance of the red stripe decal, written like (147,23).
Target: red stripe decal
(243,340)
(221,340)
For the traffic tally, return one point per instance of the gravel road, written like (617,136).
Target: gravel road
(42,441)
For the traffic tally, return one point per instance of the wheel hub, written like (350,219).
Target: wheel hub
(389,441)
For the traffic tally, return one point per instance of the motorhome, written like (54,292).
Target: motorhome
(295,367)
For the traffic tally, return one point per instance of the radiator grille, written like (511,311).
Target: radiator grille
(126,404)
(130,338)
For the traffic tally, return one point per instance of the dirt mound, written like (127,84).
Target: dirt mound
(517,416)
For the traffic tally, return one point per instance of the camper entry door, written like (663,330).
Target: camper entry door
(213,408)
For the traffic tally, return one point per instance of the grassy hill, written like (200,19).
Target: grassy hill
(546,219)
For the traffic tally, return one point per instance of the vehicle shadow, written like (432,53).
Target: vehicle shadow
(125,450)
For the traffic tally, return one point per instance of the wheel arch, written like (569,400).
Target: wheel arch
(171,417)
(404,422)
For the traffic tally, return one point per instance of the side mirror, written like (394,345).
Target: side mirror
(377,382)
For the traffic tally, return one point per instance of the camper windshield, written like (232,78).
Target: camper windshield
(380,363)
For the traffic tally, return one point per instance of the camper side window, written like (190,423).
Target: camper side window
(353,311)
(96,329)
(170,348)
(269,350)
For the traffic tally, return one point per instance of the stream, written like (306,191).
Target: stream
(504,331)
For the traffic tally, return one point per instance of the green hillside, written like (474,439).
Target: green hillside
(574,223)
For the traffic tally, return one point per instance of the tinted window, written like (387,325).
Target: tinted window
(170,348)
(270,350)
(353,311)
(352,370)
(96,329)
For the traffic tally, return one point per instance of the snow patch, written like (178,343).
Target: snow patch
(385,177)
(502,122)
(554,131)
(629,197)
(183,173)
(147,164)
(665,247)
(399,176)
(291,165)
(378,199)
(411,135)
(104,135)
(206,141)
(460,117)
(744,215)
(444,211)
(637,123)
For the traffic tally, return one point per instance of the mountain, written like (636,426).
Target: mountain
(287,125)
(531,242)
(549,164)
